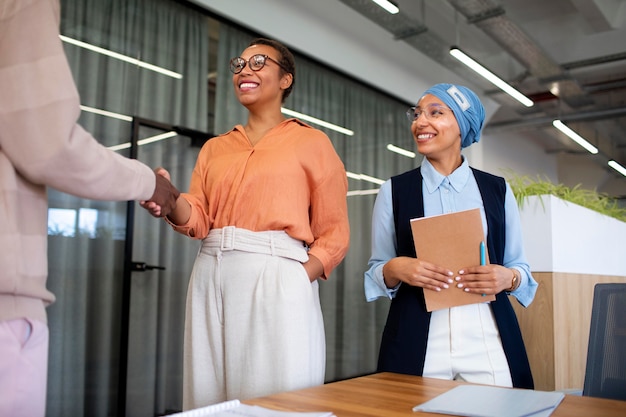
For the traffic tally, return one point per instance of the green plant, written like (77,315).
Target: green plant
(524,187)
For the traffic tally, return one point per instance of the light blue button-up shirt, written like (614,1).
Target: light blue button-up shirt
(456,192)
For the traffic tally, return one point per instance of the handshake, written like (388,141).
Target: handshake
(163,201)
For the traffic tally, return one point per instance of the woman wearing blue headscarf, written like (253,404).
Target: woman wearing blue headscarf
(480,342)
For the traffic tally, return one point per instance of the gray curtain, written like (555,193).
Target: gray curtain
(228,111)
(353,326)
(86,267)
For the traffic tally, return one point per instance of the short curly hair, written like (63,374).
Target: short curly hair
(286,60)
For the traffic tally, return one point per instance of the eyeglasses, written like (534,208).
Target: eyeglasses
(432,112)
(256,62)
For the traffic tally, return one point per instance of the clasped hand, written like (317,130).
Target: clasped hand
(479,279)
(163,201)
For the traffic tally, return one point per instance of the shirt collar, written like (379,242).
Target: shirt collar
(433,179)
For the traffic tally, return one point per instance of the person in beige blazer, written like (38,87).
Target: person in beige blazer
(41,145)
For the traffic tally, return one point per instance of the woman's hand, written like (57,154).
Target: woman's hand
(417,273)
(484,279)
(314,268)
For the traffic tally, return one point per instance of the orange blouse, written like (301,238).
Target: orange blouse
(291,180)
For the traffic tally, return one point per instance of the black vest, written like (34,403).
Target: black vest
(403,345)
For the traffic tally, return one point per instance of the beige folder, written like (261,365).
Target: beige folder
(451,241)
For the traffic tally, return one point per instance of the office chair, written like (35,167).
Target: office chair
(605,375)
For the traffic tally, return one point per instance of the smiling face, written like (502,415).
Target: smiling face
(437,136)
(265,86)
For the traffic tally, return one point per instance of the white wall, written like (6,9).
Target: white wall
(336,35)
(515,152)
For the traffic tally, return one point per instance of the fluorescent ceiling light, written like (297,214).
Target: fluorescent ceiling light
(316,121)
(106,113)
(145,141)
(575,136)
(617,167)
(372,179)
(400,151)
(490,76)
(387,5)
(121,57)
(363,177)
(363,192)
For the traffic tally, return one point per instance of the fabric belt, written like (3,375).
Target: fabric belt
(273,242)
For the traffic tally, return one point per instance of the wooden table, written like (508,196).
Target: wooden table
(388,394)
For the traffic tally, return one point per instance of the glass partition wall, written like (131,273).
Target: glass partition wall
(120,276)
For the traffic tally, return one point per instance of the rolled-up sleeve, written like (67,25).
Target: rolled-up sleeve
(329,220)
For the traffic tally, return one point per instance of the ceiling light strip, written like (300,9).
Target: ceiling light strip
(490,76)
(387,5)
(372,179)
(106,113)
(316,121)
(121,57)
(145,141)
(400,151)
(363,192)
(575,136)
(119,147)
(363,177)
(616,166)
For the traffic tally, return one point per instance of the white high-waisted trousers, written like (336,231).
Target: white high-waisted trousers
(253,322)
(464,344)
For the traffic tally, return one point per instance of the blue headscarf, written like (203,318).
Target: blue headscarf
(467,108)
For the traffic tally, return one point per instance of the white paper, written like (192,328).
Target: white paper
(209,410)
(255,411)
(235,409)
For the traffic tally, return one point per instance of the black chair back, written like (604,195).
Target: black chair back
(605,375)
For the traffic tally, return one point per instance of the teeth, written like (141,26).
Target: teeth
(424,136)
(247,85)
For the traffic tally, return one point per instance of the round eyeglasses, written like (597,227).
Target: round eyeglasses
(256,62)
(432,112)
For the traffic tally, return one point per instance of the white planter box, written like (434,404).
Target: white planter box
(560,236)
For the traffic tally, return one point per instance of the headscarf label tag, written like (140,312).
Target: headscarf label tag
(459,97)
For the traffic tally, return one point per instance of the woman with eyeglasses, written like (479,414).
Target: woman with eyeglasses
(480,342)
(268,200)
